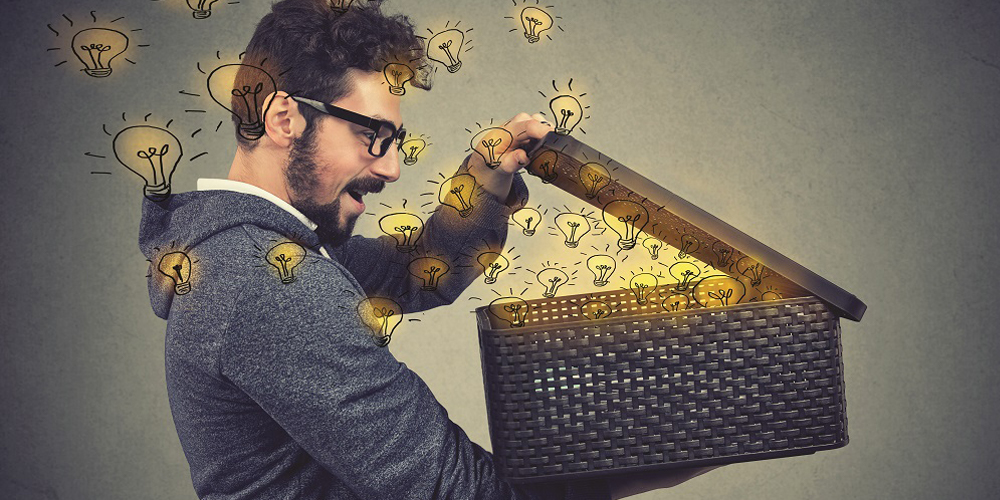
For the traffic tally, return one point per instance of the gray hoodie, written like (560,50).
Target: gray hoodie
(277,389)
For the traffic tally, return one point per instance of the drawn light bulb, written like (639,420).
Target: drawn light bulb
(567,111)
(405,228)
(340,5)
(528,218)
(151,153)
(603,266)
(719,291)
(551,278)
(177,267)
(285,257)
(493,264)
(684,272)
(594,176)
(96,48)
(428,269)
(535,21)
(752,269)
(201,9)
(627,218)
(689,245)
(445,47)
(573,227)
(654,245)
(241,90)
(770,295)
(676,302)
(512,310)
(595,310)
(457,192)
(381,316)
(491,143)
(412,148)
(723,254)
(544,166)
(396,75)
(642,285)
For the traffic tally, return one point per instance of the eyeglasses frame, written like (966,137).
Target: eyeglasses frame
(368,122)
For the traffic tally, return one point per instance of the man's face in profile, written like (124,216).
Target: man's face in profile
(329,168)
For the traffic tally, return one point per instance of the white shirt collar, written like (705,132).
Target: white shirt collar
(205,184)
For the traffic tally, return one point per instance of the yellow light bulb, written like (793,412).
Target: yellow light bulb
(603,266)
(381,316)
(544,166)
(753,270)
(96,48)
(551,278)
(684,272)
(642,285)
(403,227)
(241,89)
(595,310)
(573,227)
(676,302)
(491,144)
(445,48)
(716,291)
(493,264)
(285,257)
(396,75)
(511,310)
(594,176)
(653,245)
(528,218)
(689,245)
(627,218)
(428,269)
(177,267)
(567,112)
(151,153)
(201,9)
(411,148)
(457,193)
(534,21)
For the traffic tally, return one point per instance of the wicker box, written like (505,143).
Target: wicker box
(571,395)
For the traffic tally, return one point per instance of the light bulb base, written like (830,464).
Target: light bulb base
(562,130)
(428,288)
(549,178)
(182,288)
(490,280)
(455,67)
(465,212)
(531,38)
(394,90)
(493,164)
(409,161)
(591,196)
(382,341)
(517,324)
(201,14)
(252,131)
(641,302)
(626,244)
(405,248)
(528,232)
(157,193)
(287,279)
(572,244)
(548,295)
(655,256)
(98,73)
(600,282)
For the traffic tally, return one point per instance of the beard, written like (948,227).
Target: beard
(302,175)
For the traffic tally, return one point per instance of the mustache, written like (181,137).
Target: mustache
(366,185)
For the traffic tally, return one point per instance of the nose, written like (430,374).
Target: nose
(386,168)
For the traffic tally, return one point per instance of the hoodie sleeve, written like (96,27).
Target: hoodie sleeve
(303,355)
(383,271)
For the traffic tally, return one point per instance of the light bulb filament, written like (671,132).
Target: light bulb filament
(446,47)
(722,296)
(155,166)
(457,191)
(566,114)
(253,114)
(407,233)
(491,145)
(177,269)
(756,274)
(98,47)
(595,182)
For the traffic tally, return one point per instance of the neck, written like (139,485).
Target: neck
(260,168)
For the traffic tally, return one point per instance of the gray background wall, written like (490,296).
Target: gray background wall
(858,138)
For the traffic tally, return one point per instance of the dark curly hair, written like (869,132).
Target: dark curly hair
(307,46)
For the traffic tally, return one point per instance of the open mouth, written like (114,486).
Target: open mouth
(356,195)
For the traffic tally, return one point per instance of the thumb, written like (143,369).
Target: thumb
(513,160)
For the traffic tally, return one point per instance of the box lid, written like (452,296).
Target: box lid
(564,161)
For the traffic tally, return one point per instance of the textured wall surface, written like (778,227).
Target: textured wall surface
(858,138)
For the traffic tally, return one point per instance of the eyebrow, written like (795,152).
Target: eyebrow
(380,117)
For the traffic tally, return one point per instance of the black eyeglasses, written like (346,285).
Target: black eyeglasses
(385,132)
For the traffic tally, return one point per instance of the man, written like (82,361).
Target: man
(276,388)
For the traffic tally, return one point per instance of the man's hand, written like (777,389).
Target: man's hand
(526,130)
(634,484)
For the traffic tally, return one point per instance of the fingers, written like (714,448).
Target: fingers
(513,160)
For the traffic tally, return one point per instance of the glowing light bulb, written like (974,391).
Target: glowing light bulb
(689,245)
(595,310)
(491,144)
(676,302)
(201,9)
(535,21)
(551,278)
(603,266)
(528,218)
(544,166)
(594,176)
(340,5)
(445,48)
(627,218)
(96,48)
(396,75)
(653,245)
(752,269)
(177,267)
(411,148)
(493,264)
(241,89)
(285,257)
(567,111)
(151,153)
(723,253)
(403,227)
(512,310)
(642,285)
(683,272)
(719,291)
(573,227)
(428,269)
(381,316)
(457,192)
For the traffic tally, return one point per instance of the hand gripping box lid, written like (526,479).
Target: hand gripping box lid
(741,363)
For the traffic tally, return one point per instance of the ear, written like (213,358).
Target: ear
(282,121)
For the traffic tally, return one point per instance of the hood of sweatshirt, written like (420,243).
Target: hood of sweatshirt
(172,227)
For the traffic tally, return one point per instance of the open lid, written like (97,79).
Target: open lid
(624,196)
